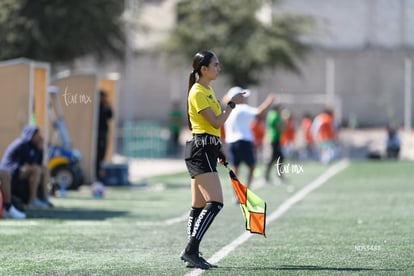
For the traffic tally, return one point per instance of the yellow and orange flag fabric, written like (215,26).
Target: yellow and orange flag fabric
(252,206)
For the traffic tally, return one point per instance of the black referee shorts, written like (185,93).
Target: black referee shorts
(201,154)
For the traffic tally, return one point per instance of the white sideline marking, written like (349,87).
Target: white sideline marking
(277,213)
(177,219)
(23,222)
(183,217)
(165,222)
(138,223)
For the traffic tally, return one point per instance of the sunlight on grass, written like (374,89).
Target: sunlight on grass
(359,222)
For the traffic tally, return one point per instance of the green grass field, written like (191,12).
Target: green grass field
(360,222)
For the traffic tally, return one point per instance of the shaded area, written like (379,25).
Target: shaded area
(322,268)
(75,214)
(305,268)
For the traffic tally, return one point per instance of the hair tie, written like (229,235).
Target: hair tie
(194,72)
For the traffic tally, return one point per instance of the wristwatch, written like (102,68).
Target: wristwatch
(231,104)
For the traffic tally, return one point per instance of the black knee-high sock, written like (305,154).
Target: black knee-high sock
(203,222)
(192,218)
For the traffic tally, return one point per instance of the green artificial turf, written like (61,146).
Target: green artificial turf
(360,222)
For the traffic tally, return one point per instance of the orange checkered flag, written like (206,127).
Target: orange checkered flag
(252,206)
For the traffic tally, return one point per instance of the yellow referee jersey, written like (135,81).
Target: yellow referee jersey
(199,99)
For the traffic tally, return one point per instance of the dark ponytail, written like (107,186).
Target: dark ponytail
(202,58)
(191,81)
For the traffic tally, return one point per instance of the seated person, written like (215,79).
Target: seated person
(9,211)
(23,159)
(393,143)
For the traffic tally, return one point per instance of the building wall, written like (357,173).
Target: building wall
(369,82)
(367,39)
(356,23)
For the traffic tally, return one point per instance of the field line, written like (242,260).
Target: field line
(184,216)
(286,205)
(170,221)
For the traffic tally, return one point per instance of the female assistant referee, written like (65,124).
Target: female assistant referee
(205,117)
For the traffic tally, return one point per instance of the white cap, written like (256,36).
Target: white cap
(237,90)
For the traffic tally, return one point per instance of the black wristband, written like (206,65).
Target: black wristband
(231,104)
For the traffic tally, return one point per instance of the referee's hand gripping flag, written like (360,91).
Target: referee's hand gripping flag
(253,207)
